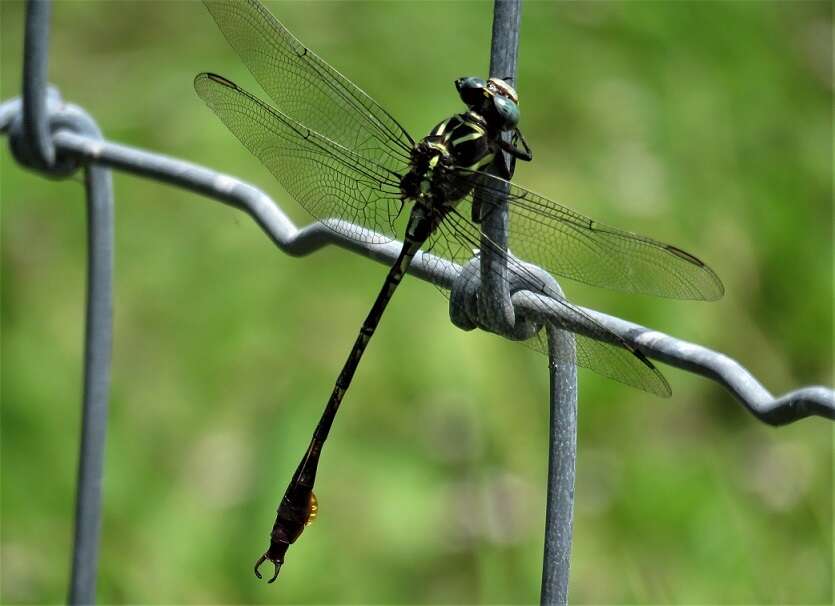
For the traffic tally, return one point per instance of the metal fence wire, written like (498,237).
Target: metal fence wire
(57,139)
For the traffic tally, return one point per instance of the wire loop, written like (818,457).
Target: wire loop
(467,311)
(60,117)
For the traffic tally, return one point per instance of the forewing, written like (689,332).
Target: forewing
(307,89)
(597,348)
(327,179)
(571,245)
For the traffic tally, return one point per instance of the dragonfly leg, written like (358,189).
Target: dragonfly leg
(524,153)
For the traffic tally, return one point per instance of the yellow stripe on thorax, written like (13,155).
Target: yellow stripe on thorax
(487,159)
(470,137)
(441,128)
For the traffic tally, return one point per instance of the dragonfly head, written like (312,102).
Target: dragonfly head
(494,99)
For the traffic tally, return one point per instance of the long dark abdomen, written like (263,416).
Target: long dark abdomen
(294,511)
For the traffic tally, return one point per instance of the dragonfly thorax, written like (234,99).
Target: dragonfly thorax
(434,177)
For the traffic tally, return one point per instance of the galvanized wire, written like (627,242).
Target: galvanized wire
(97,356)
(40,113)
(497,313)
(691,357)
(35,62)
(51,137)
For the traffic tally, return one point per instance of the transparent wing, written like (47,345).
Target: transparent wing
(306,88)
(327,179)
(599,350)
(569,244)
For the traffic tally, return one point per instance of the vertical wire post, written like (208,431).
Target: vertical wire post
(562,454)
(97,354)
(35,63)
(499,315)
(40,115)
(496,309)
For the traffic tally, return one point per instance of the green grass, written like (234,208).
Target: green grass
(705,124)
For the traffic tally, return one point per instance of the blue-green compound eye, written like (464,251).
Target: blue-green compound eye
(469,82)
(508,111)
(471,89)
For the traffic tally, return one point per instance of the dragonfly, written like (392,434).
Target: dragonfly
(342,155)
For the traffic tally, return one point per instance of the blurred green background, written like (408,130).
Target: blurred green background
(705,124)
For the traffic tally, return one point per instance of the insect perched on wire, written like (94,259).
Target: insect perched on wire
(341,155)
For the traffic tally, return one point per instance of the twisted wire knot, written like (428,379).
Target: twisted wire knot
(60,116)
(468,310)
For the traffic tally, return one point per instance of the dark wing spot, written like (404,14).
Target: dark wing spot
(684,255)
(221,80)
(640,355)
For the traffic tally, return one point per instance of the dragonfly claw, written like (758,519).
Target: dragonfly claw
(263,559)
